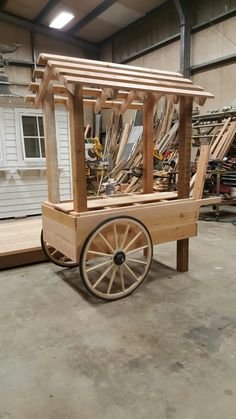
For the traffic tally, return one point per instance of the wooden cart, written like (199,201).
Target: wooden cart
(112,238)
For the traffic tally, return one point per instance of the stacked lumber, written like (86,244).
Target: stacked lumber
(123,147)
(224,126)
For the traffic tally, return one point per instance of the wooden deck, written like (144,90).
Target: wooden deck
(20,242)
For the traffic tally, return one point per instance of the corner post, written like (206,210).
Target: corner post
(148,114)
(76,115)
(185,137)
(49,125)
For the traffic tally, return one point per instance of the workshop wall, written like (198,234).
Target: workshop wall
(208,45)
(20,76)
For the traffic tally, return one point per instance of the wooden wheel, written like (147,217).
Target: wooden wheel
(116,257)
(55,256)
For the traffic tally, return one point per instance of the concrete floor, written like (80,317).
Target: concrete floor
(166,352)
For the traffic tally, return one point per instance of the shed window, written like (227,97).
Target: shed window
(33,136)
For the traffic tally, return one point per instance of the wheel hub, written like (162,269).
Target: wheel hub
(119,258)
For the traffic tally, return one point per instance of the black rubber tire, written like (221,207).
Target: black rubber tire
(84,249)
(52,259)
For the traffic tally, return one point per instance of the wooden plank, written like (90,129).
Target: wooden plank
(126,103)
(76,114)
(125,79)
(20,242)
(134,87)
(185,134)
(148,135)
(58,100)
(21,258)
(201,171)
(59,230)
(112,104)
(115,71)
(60,89)
(123,141)
(43,59)
(43,85)
(229,139)
(209,201)
(49,125)
(89,103)
(219,136)
(105,94)
(119,200)
(57,88)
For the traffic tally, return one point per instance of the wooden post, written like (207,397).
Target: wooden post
(78,163)
(148,113)
(49,125)
(185,137)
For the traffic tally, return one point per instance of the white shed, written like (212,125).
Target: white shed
(23,185)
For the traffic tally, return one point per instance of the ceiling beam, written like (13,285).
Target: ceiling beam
(55,33)
(3,4)
(51,4)
(102,7)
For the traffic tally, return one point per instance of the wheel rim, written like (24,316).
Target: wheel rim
(55,255)
(116,258)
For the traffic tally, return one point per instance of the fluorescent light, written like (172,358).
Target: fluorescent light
(61,20)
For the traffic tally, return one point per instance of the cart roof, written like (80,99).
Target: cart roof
(109,85)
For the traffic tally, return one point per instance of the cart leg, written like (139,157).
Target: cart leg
(185,135)
(182,255)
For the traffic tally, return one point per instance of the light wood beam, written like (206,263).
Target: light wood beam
(49,124)
(76,114)
(148,114)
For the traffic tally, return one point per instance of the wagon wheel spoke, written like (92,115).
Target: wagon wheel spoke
(111,280)
(131,272)
(115,237)
(94,252)
(102,276)
(107,243)
(142,262)
(55,255)
(55,252)
(133,240)
(137,250)
(125,236)
(122,282)
(99,265)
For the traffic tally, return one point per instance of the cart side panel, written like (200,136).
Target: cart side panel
(166,222)
(59,230)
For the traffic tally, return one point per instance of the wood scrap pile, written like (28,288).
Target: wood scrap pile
(221,132)
(123,145)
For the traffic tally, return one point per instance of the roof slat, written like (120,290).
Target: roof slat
(114,71)
(129,82)
(135,87)
(44,58)
(126,79)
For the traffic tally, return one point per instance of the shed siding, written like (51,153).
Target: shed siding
(21,193)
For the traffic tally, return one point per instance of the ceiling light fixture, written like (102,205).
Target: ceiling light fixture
(61,20)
